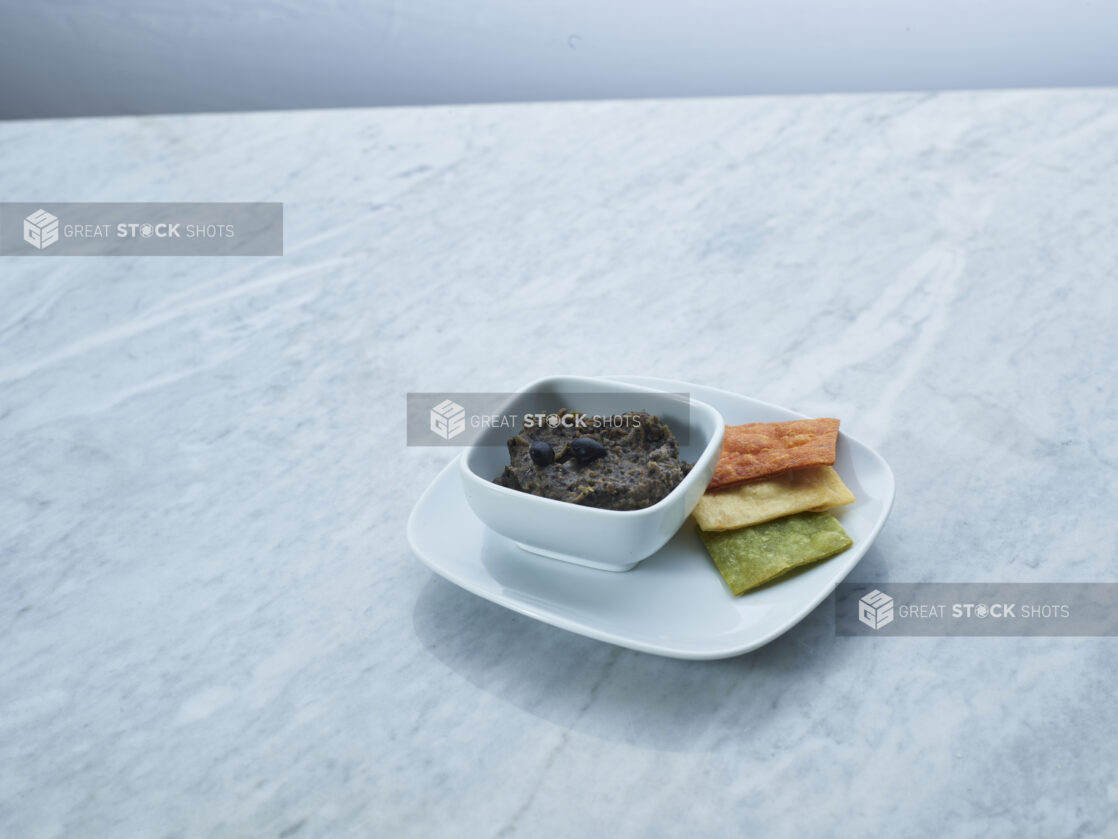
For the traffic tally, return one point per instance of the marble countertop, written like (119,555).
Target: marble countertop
(210,619)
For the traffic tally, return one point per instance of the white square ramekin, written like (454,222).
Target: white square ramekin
(612,540)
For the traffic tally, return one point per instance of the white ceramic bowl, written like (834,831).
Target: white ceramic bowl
(613,540)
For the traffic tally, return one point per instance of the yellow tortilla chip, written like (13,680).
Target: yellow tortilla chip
(817,488)
(751,556)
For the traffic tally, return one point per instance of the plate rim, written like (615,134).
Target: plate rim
(661,649)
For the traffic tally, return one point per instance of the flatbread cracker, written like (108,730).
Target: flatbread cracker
(748,557)
(816,488)
(763,449)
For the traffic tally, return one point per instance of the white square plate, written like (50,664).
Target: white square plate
(675,602)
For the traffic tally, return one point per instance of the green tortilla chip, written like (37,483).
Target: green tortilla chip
(754,555)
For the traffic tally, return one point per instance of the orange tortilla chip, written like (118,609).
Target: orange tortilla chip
(762,449)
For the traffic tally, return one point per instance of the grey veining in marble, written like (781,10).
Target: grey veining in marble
(210,621)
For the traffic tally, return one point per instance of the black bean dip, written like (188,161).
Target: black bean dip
(626,462)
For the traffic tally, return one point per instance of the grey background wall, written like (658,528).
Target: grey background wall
(78,57)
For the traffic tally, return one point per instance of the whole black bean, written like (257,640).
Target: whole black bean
(587,449)
(541,453)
